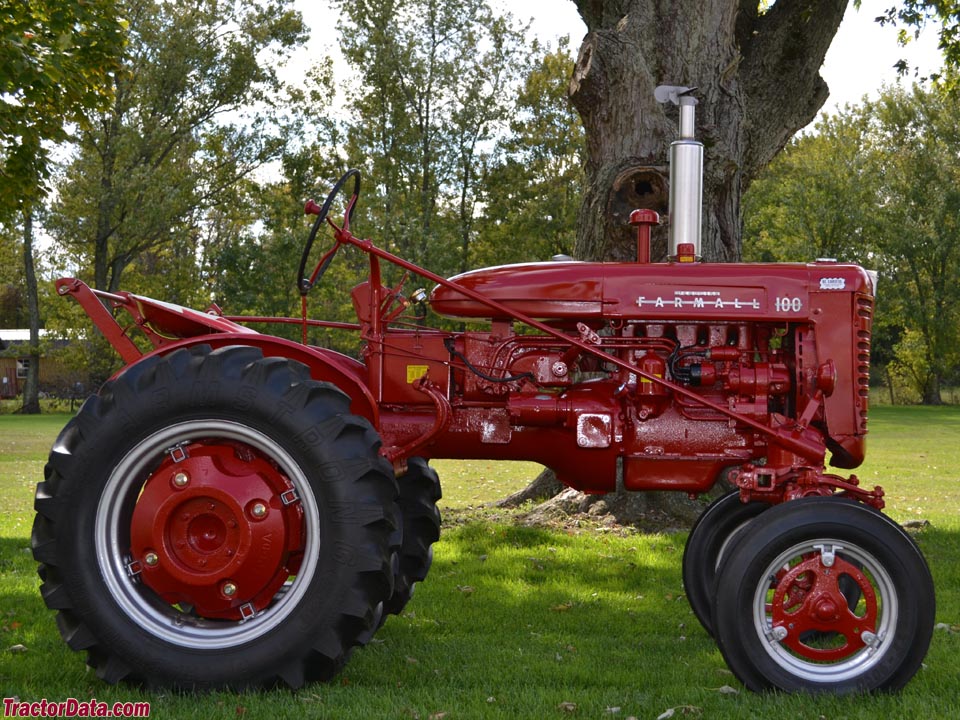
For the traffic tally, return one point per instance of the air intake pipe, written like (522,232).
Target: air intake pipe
(686,177)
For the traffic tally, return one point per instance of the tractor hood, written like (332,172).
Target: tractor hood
(591,290)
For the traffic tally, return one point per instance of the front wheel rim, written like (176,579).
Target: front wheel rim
(141,605)
(795,601)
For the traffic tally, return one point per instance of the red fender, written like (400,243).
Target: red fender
(325,365)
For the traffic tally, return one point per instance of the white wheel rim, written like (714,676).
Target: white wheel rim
(860,661)
(137,601)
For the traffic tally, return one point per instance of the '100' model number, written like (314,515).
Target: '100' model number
(787,304)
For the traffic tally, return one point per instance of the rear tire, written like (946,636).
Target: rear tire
(783,612)
(215,519)
(419,493)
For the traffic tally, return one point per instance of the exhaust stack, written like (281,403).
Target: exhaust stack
(686,177)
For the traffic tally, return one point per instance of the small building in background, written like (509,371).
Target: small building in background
(55,377)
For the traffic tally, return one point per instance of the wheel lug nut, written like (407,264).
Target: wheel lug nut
(228,589)
(258,511)
(151,559)
(181,479)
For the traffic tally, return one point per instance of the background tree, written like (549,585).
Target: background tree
(193,112)
(12,303)
(918,143)
(817,198)
(877,184)
(433,87)
(57,59)
(533,189)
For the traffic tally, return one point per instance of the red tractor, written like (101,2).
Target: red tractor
(235,509)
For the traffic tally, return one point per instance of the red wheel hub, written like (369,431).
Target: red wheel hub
(219,528)
(809,604)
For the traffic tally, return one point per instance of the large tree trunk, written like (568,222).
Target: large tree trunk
(758,83)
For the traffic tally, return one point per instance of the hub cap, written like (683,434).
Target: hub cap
(214,518)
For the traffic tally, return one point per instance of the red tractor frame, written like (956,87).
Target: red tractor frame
(234,509)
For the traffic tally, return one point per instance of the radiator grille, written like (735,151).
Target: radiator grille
(864,324)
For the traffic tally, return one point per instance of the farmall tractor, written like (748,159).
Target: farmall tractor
(235,509)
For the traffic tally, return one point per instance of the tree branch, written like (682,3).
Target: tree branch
(782,51)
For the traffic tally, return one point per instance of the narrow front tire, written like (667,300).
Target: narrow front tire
(824,595)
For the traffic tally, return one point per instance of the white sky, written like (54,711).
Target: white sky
(860,60)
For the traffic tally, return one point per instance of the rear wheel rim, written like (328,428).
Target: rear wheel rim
(141,605)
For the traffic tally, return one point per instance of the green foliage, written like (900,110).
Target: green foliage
(12,305)
(470,151)
(442,128)
(193,114)
(434,84)
(876,184)
(910,369)
(533,192)
(913,16)
(57,59)
(919,240)
(816,198)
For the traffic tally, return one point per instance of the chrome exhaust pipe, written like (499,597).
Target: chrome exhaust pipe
(686,177)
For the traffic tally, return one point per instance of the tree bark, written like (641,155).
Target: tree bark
(931,390)
(758,83)
(31,388)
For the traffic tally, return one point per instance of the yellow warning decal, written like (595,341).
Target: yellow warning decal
(415,372)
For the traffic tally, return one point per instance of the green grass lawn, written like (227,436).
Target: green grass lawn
(518,622)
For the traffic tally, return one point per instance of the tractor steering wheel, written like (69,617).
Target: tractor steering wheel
(304,283)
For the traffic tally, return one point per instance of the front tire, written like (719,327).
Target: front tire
(824,595)
(710,538)
(215,519)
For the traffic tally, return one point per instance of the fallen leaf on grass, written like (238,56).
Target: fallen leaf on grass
(683,709)
(17,648)
(567,707)
(727,690)
(439,715)
(563,607)
(466,589)
(612,710)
